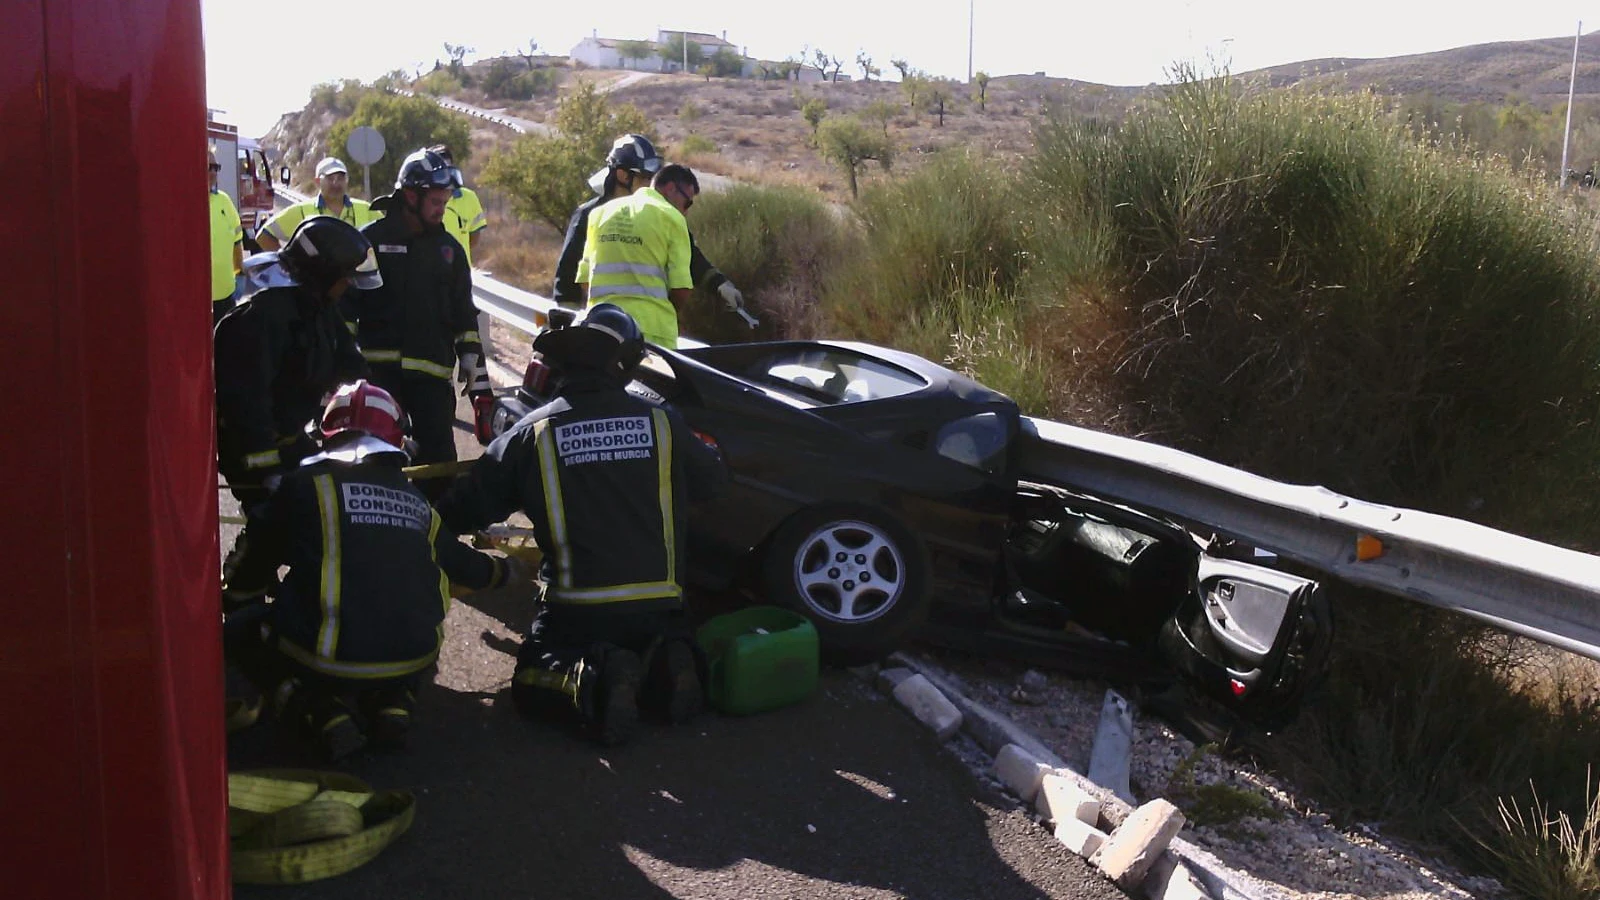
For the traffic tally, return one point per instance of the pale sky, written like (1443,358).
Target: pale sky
(262,59)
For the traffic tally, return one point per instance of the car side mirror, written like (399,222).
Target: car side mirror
(283,175)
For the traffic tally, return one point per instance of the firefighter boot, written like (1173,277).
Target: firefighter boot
(388,712)
(321,718)
(674,688)
(609,693)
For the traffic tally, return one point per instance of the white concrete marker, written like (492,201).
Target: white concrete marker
(1020,771)
(1113,747)
(1062,798)
(1137,843)
(1080,837)
(890,678)
(929,705)
(1170,879)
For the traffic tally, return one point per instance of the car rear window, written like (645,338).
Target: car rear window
(837,376)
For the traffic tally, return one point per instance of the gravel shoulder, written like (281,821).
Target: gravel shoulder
(1295,850)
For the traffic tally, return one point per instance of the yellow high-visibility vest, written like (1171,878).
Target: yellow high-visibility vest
(464,217)
(283,224)
(226,231)
(635,252)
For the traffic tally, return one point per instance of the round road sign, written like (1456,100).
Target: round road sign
(365,145)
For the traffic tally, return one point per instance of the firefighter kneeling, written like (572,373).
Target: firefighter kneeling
(607,479)
(360,613)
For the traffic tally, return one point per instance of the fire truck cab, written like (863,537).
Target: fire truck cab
(246,176)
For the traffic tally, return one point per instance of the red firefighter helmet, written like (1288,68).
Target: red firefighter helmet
(366,409)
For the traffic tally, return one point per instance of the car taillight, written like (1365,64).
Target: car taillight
(708,440)
(536,377)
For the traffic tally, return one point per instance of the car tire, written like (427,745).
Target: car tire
(864,604)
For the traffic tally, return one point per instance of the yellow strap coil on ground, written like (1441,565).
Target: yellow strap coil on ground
(289,826)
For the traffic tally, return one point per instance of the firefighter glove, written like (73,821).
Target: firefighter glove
(731,298)
(518,572)
(474,375)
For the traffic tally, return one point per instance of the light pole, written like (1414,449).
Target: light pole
(1572,85)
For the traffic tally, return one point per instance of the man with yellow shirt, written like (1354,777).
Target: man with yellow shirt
(464,217)
(333,180)
(227,246)
(636,253)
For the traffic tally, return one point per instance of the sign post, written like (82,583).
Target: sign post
(366,147)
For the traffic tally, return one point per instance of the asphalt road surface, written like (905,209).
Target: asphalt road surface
(841,796)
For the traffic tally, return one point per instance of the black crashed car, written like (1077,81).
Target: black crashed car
(882,496)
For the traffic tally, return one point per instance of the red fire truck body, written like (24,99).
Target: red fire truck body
(246,176)
(112,769)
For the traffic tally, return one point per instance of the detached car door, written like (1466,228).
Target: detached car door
(1253,638)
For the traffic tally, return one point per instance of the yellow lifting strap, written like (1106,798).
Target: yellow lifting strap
(289,826)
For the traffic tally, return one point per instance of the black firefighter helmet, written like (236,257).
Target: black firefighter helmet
(324,249)
(606,339)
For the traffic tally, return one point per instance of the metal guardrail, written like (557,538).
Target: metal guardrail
(505,121)
(1530,588)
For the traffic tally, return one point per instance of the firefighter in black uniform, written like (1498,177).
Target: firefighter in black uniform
(417,326)
(279,353)
(630,165)
(360,613)
(607,479)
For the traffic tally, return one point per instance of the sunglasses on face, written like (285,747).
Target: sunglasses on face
(215,167)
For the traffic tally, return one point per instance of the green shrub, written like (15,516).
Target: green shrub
(696,144)
(439,83)
(508,79)
(406,123)
(777,244)
(547,177)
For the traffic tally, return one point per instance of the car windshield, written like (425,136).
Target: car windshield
(833,376)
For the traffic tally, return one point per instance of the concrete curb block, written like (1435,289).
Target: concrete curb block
(1020,771)
(1138,843)
(929,705)
(992,731)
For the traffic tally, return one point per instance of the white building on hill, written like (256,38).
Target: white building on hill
(613,53)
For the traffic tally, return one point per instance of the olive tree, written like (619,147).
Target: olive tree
(848,142)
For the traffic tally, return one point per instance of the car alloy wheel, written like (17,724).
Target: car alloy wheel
(849,572)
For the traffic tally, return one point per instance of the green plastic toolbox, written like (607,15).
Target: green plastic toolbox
(761,658)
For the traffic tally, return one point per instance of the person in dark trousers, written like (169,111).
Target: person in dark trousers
(421,322)
(278,354)
(630,165)
(360,613)
(607,479)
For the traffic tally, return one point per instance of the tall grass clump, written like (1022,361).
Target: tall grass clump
(1292,283)
(940,260)
(951,230)
(776,244)
(1303,289)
